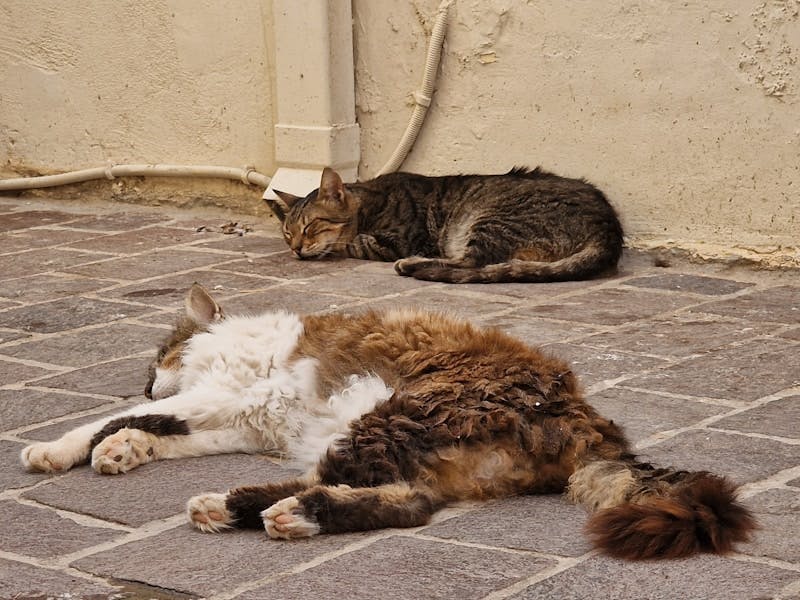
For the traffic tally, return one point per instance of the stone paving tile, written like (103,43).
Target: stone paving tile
(612,306)
(171,291)
(740,457)
(40,288)
(13,372)
(139,240)
(28,406)
(642,414)
(153,264)
(169,485)
(283,265)
(533,331)
(203,564)
(46,433)
(123,378)
(282,298)
(777,304)
(405,568)
(779,418)
(677,336)
(746,372)
(33,218)
(41,261)
(540,523)
(363,283)
(593,366)
(791,334)
(445,299)
(706,577)
(12,475)
(88,346)
(115,221)
(67,313)
(682,282)
(22,581)
(54,534)
(778,514)
(248,243)
(7,335)
(28,239)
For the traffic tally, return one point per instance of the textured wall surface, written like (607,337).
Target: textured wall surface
(686,114)
(86,82)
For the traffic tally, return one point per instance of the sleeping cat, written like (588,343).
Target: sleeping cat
(394,415)
(524,226)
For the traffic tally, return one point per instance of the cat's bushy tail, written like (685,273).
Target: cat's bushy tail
(642,512)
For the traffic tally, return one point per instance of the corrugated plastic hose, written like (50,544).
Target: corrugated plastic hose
(246,175)
(422,97)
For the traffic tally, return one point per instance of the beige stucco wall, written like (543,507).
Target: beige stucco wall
(686,113)
(85,82)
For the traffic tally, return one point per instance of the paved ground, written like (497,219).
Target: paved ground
(699,362)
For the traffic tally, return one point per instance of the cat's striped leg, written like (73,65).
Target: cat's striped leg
(340,508)
(241,507)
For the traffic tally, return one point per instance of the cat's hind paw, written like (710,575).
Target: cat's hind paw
(285,520)
(47,457)
(209,513)
(407,266)
(122,451)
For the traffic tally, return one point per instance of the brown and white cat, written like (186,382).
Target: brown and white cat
(394,415)
(524,226)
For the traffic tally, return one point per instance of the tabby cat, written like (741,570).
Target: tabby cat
(525,225)
(393,415)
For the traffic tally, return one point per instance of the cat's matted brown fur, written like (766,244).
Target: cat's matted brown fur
(426,410)
(525,225)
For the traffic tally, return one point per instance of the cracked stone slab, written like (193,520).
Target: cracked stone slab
(42,238)
(55,535)
(32,218)
(165,485)
(539,523)
(707,577)
(13,372)
(405,567)
(742,458)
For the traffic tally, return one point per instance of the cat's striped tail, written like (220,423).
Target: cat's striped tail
(592,260)
(642,512)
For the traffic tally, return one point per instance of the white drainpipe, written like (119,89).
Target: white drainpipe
(315,88)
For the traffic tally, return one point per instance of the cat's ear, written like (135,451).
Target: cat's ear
(282,204)
(201,307)
(331,188)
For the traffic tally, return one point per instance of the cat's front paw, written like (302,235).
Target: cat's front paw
(122,451)
(47,457)
(407,266)
(285,520)
(209,513)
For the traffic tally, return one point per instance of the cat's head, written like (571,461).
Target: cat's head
(163,375)
(322,223)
